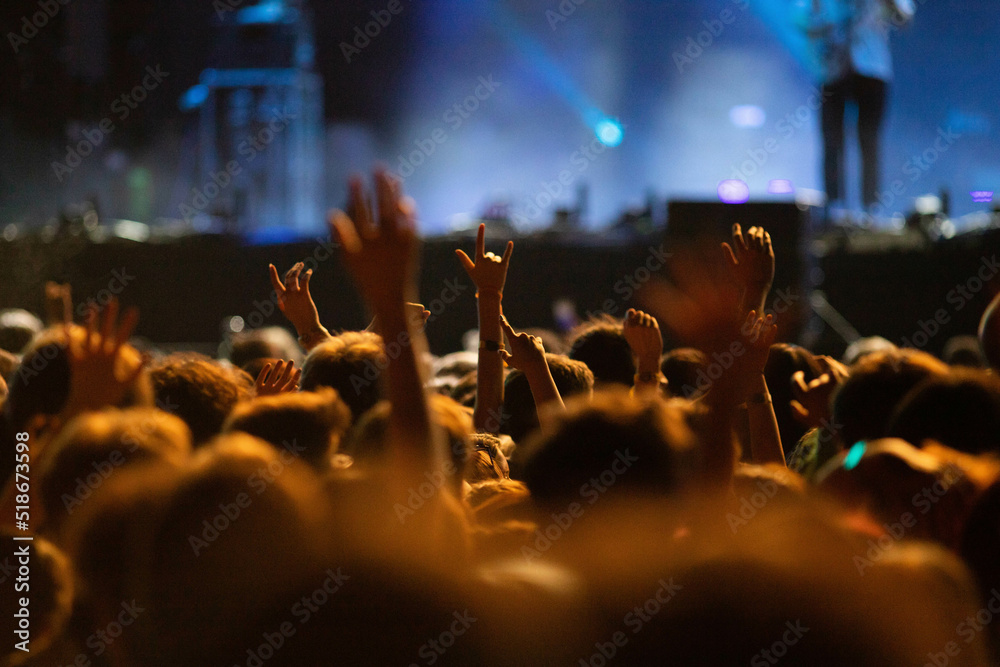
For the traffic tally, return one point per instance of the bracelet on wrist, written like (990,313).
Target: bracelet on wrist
(649,378)
(498,293)
(490,345)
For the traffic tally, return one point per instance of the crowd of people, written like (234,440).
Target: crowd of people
(586,498)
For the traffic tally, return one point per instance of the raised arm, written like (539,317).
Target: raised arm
(489,273)
(765,439)
(750,259)
(642,332)
(296,302)
(526,353)
(381,252)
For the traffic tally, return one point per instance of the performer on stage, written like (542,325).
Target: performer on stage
(852,41)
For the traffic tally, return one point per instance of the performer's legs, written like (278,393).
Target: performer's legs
(871,96)
(832,121)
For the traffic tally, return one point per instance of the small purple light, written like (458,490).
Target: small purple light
(780,186)
(734,192)
(982,196)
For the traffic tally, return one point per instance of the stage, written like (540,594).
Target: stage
(187,288)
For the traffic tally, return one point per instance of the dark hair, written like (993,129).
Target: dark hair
(600,343)
(200,391)
(960,410)
(351,363)
(864,404)
(520,417)
(308,424)
(783,361)
(681,366)
(270,342)
(614,439)
(368,441)
(95,445)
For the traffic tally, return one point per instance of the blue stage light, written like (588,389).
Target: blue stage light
(609,132)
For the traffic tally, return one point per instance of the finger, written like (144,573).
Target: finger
(109,320)
(820,381)
(289,369)
(359,210)
(799,386)
(144,360)
(739,243)
(127,326)
(767,244)
(262,377)
(304,281)
(507,329)
(771,333)
(277,373)
(727,250)
(481,241)
(800,412)
(293,382)
(388,208)
(467,263)
(506,356)
(275,280)
(292,277)
(507,253)
(347,235)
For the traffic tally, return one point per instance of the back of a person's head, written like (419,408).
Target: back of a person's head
(981,550)
(862,347)
(304,424)
(613,440)
(989,333)
(864,404)
(783,361)
(963,351)
(600,343)
(368,442)
(239,531)
(352,363)
(98,445)
(40,385)
(17,328)
(902,487)
(519,418)
(681,366)
(960,410)
(199,390)
(48,591)
(269,342)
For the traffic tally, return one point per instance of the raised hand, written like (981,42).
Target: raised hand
(642,332)
(99,374)
(750,259)
(488,271)
(294,299)
(284,379)
(381,247)
(524,352)
(527,354)
(812,400)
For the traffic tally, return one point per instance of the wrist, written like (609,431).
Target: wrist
(489,295)
(648,364)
